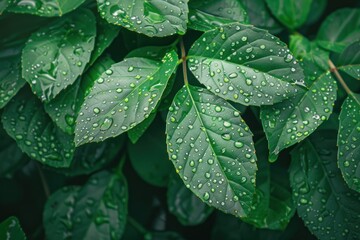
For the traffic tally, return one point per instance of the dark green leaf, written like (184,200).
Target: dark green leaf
(291,13)
(122,97)
(135,133)
(151,52)
(64,108)
(44,8)
(157,18)
(188,208)
(10,229)
(244,64)
(349,60)
(211,148)
(328,207)
(4,4)
(51,63)
(206,15)
(349,148)
(25,120)
(316,11)
(163,236)
(339,30)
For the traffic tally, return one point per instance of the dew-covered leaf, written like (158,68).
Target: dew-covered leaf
(205,15)
(187,207)
(349,147)
(122,97)
(25,120)
(328,207)
(245,64)
(349,60)
(56,55)
(288,13)
(155,18)
(149,158)
(10,229)
(44,8)
(10,72)
(135,133)
(273,205)
(64,108)
(339,29)
(212,149)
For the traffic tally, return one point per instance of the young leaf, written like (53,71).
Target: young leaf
(188,208)
(51,63)
(246,65)
(157,18)
(44,8)
(25,120)
(211,148)
(328,207)
(209,14)
(10,229)
(122,97)
(349,60)
(287,11)
(349,148)
(64,108)
(339,30)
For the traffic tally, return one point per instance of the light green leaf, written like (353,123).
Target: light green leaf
(44,8)
(51,63)
(291,13)
(339,30)
(25,120)
(328,207)
(10,229)
(211,148)
(246,65)
(349,60)
(273,205)
(155,18)
(123,97)
(206,15)
(64,108)
(187,207)
(349,148)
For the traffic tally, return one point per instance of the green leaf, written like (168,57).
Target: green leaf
(209,14)
(273,205)
(10,229)
(349,148)
(187,207)
(122,97)
(135,133)
(288,11)
(328,207)
(156,18)
(149,158)
(51,63)
(4,4)
(25,120)
(151,52)
(168,235)
(10,72)
(246,65)
(339,30)
(211,148)
(349,60)
(316,11)
(64,108)
(44,8)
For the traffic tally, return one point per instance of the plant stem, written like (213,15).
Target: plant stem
(334,70)
(43,180)
(183,58)
(137,225)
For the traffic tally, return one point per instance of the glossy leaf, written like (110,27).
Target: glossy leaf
(157,18)
(64,108)
(122,97)
(209,14)
(187,207)
(44,8)
(288,13)
(25,120)
(51,63)
(349,60)
(246,65)
(349,148)
(211,148)
(328,207)
(135,133)
(344,24)
(10,229)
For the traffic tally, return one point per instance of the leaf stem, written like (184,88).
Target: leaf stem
(183,58)
(43,180)
(137,225)
(334,70)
